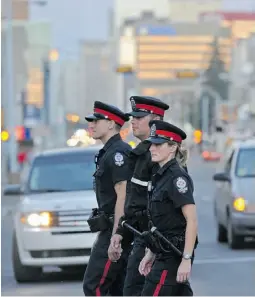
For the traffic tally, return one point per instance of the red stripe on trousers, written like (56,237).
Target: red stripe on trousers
(102,280)
(161,282)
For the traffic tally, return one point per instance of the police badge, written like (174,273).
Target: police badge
(119,160)
(133,104)
(181,185)
(153,130)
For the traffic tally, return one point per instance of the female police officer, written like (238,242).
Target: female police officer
(173,212)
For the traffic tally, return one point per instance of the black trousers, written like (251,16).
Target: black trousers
(134,281)
(161,281)
(103,277)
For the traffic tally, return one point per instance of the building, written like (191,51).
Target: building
(242,73)
(133,8)
(241,24)
(164,59)
(97,75)
(20,9)
(165,55)
(188,11)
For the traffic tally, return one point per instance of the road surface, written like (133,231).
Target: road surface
(217,269)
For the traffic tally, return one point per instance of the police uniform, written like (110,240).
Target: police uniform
(172,188)
(136,200)
(103,277)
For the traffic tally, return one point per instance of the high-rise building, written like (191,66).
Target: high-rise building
(96,75)
(20,9)
(164,55)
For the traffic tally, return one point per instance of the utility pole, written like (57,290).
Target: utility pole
(10,91)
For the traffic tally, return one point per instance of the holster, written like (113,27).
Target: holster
(99,221)
(151,242)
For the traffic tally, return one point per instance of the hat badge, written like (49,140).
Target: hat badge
(133,104)
(153,130)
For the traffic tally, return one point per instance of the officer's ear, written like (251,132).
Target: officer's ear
(111,125)
(172,147)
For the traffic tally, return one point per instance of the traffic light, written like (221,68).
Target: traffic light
(197,136)
(22,133)
(5,135)
(22,157)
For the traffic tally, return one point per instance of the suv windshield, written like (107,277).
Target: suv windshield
(245,166)
(63,172)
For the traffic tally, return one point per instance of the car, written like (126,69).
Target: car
(50,221)
(208,152)
(234,199)
(209,155)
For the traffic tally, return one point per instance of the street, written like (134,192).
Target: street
(217,269)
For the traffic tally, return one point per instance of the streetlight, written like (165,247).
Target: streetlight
(10,85)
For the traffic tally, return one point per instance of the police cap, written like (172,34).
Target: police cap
(103,111)
(144,105)
(163,132)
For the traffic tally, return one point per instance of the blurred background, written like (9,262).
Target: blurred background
(59,56)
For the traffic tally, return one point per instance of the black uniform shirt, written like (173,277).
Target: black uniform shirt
(142,166)
(172,189)
(112,167)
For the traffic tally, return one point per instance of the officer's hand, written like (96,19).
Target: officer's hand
(115,250)
(184,271)
(146,263)
(116,241)
(114,254)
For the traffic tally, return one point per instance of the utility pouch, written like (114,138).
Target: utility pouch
(98,221)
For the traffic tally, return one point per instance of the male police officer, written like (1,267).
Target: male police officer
(111,176)
(144,109)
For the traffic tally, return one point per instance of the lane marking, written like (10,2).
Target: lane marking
(226,261)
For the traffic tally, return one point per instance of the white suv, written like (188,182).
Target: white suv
(50,222)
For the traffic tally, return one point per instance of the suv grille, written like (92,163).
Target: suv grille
(72,218)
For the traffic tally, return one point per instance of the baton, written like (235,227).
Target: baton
(161,236)
(153,231)
(130,228)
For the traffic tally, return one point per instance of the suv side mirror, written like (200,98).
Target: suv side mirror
(223,177)
(12,190)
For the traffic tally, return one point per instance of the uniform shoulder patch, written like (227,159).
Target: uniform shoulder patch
(118,159)
(181,184)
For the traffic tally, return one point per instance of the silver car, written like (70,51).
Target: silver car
(234,200)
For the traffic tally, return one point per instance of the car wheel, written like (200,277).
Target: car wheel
(221,233)
(23,273)
(234,241)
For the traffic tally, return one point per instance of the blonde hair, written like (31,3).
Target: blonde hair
(181,155)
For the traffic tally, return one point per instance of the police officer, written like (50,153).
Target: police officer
(144,109)
(173,212)
(111,176)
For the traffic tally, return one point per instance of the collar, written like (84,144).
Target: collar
(166,166)
(141,148)
(113,139)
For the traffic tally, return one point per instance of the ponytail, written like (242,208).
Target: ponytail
(182,156)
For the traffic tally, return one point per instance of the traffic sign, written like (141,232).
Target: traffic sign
(124,69)
(156,30)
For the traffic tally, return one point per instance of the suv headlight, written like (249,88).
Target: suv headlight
(42,219)
(239,204)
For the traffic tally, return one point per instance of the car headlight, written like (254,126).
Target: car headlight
(239,204)
(43,219)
